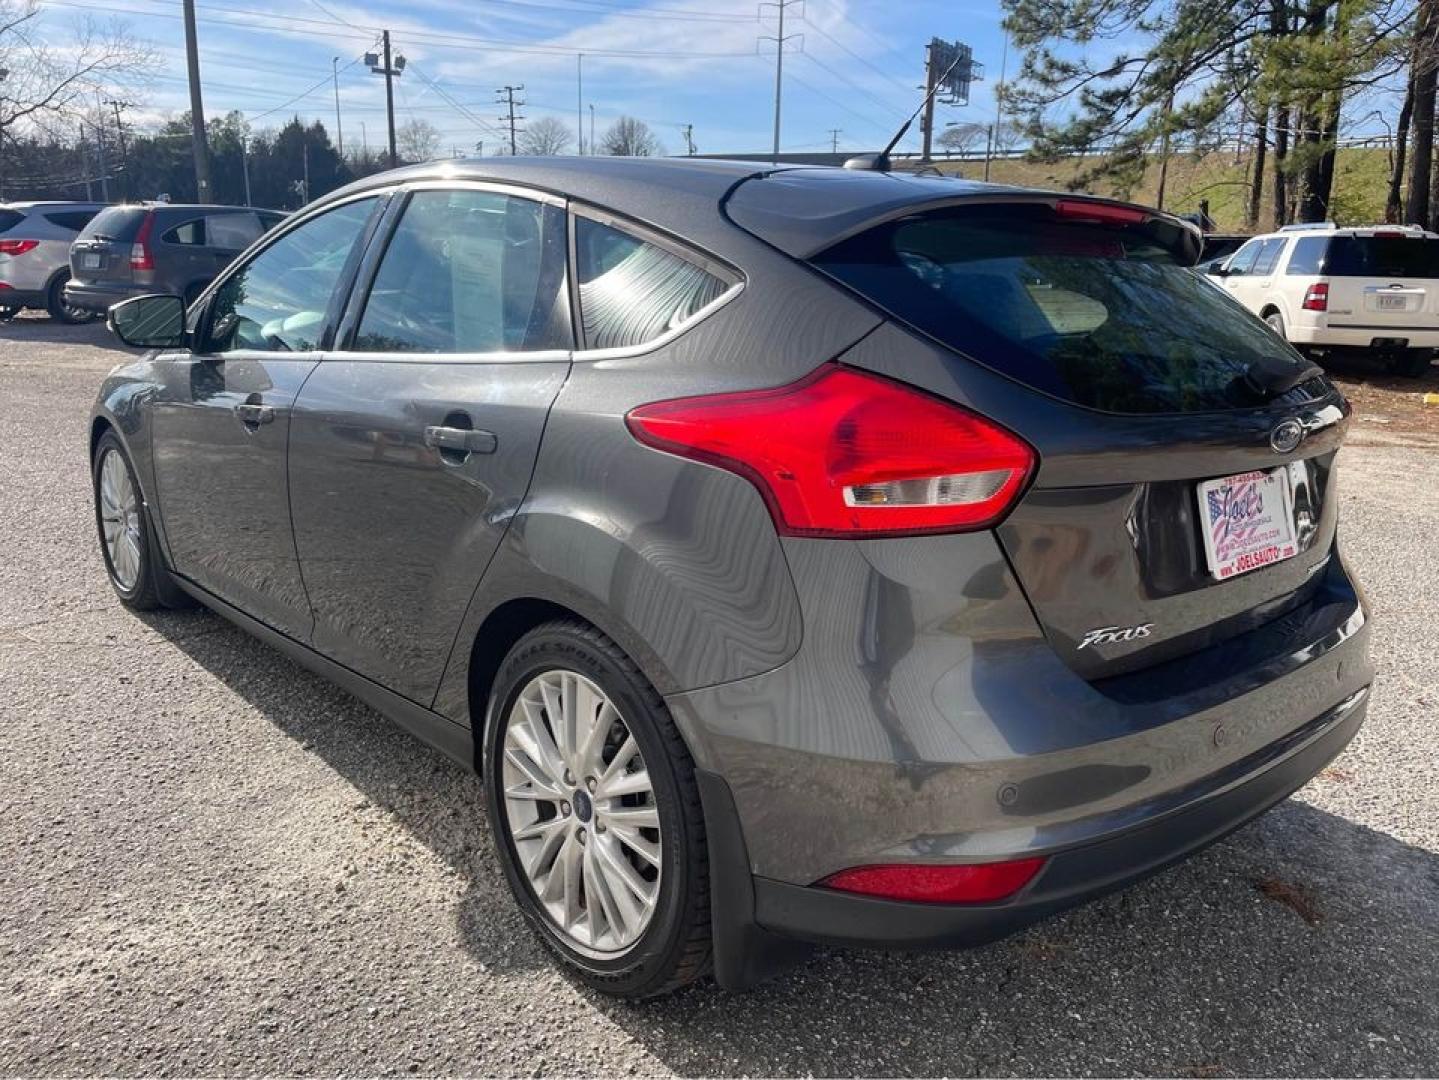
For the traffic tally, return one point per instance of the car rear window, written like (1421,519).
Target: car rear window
(1381,256)
(115,223)
(1100,315)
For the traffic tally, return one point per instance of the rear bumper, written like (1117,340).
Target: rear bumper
(99,298)
(1356,334)
(1073,875)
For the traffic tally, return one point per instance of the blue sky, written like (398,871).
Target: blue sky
(668,62)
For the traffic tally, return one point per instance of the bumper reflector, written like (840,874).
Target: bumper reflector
(974,883)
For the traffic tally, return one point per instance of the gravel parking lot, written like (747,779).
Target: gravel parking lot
(213,862)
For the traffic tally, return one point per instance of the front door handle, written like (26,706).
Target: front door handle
(253,415)
(459,442)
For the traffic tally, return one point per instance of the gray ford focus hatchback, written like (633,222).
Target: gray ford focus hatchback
(800,555)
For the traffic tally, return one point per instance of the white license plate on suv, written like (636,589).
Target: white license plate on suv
(1247,521)
(1392,303)
(90,261)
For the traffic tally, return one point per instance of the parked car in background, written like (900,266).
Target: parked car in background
(1329,291)
(800,554)
(158,247)
(35,239)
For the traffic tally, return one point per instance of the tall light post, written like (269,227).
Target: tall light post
(339,131)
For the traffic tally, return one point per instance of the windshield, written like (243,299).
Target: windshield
(1099,315)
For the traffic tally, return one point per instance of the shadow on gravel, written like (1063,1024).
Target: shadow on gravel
(34,326)
(1303,945)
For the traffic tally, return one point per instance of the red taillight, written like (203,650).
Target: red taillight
(1108,213)
(140,255)
(843,453)
(976,883)
(17,247)
(1316,297)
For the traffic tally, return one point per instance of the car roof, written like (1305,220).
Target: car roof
(52,204)
(797,208)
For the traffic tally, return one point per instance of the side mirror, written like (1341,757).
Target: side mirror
(1217,270)
(156,321)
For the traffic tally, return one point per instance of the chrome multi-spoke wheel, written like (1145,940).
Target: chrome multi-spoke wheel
(120,522)
(581,812)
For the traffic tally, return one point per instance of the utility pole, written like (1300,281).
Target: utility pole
(197,107)
(124,155)
(85,166)
(926,124)
(245,166)
(580,101)
(339,131)
(592,128)
(689,130)
(834,134)
(104,168)
(779,39)
(988,151)
(508,93)
(389,71)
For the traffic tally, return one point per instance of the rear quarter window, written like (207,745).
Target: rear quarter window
(74,220)
(1102,316)
(9,219)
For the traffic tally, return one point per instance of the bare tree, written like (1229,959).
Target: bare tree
(417,140)
(962,138)
(45,82)
(628,137)
(546,137)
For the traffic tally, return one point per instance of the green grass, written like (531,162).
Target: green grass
(1360,180)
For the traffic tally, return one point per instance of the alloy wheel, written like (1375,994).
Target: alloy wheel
(581,812)
(120,520)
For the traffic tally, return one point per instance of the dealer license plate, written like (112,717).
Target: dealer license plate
(1248,522)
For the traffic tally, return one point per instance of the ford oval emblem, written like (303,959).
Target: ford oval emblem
(1287,435)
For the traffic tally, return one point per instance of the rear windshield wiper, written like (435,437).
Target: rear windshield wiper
(1271,376)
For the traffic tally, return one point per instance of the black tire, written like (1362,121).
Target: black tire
(674,949)
(1413,363)
(8,313)
(144,593)
(60,311)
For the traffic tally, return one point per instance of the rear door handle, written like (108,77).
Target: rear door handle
(460,441)
(253,415)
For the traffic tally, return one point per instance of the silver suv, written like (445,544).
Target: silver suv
(35,239)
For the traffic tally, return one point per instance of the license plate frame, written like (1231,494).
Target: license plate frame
(1247,521)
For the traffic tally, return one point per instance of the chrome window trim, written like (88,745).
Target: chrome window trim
(733,278)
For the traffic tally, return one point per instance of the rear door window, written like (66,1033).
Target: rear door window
(1102,316)
(1268,257)
(1244,258)
(1382,257)
(232,232)
(469,272)
(633,292)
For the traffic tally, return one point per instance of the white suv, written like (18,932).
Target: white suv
(1328,290)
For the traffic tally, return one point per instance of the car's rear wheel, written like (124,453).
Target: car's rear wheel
(1413,363)
(123,527)
(1276,323)
(62,311)
(596,814)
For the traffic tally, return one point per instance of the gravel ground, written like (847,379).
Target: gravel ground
(214,862)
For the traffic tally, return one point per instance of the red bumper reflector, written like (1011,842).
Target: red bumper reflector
(976,883)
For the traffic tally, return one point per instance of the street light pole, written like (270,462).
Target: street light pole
(339,131)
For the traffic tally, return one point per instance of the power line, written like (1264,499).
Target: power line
(485,126)
(804,17)
(301,97)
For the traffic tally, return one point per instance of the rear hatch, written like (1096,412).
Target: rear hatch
(101,253)
(1387,280)
(1184,493)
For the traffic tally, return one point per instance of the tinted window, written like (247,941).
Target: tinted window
(469,271)
(115,223)
(632,291)
(9,219)
(74,220)
(1243,260)
(1382,256)
(232,232)
(1308,255)
(1101,316)
(1268,257)
(190,234)
(277,301)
